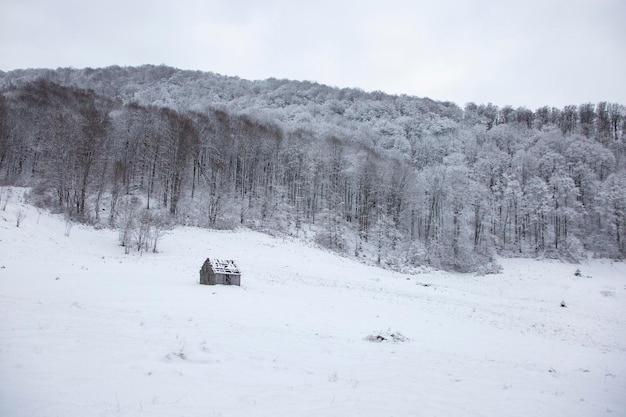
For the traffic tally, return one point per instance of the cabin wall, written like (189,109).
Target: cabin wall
(205,275)
(227,279)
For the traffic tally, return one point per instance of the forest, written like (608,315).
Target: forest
(396,180)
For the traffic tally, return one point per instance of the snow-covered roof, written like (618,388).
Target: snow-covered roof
(224,266)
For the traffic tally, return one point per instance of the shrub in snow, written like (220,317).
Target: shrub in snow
(489,268)
(141,228)
(573,250)
(128,219)
(20,215)
(387,336)
(5,195)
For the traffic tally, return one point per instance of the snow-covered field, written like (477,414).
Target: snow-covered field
(88,331)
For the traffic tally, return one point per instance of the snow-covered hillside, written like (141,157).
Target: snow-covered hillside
(88,331)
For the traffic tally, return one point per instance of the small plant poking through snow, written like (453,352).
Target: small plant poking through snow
(180,354)
(578,273)
(20,215)
(387,336)
(69,223)
(5,195)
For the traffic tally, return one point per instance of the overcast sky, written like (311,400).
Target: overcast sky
(524,53)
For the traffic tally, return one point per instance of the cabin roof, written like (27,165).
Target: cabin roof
(224,266)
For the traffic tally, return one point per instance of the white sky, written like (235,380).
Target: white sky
(524,53)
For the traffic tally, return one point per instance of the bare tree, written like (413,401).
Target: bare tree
(90,148)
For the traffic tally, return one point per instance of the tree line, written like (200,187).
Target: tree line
(396,180)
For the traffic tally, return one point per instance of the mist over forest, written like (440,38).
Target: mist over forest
(396,180)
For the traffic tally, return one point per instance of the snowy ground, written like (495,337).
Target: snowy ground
(88,331)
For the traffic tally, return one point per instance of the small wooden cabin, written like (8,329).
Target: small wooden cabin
(220,271)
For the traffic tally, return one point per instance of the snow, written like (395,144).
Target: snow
(88,331)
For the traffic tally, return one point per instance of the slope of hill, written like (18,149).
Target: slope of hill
(396,180)
(87,330)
